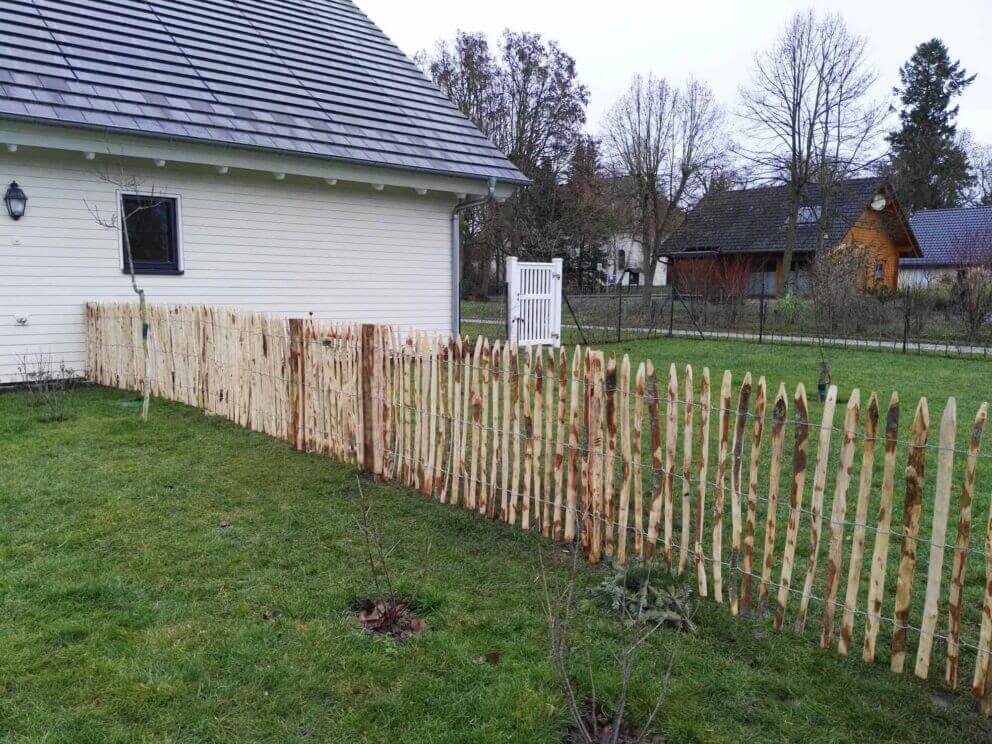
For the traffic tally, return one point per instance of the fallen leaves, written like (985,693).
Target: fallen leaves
(491,657)
(390,617)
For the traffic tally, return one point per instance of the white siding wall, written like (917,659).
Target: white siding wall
(287,247)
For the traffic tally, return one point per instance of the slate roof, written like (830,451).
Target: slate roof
(314,77)
(754,220)
(951,237)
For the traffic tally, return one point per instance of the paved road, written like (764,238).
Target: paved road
(779,338)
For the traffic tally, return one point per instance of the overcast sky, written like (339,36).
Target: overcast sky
(714,40)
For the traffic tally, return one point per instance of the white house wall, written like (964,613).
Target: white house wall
(290,247)
(635,260)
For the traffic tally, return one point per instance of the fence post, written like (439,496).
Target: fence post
(297,374)
(761,318)
(906,309)
(367,367)
(671,311)
(619,311)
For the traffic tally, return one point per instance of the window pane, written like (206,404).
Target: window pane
(151,232)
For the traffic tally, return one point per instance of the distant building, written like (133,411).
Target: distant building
(950,240)
(625,263)
(741,234)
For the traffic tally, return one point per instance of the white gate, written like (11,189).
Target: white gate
(533,296)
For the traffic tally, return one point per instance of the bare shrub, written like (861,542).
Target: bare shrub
(49,382)
(972,297)
(642,606)
(837,278)
(386,612)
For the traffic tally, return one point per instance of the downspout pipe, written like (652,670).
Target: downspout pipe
(456,250)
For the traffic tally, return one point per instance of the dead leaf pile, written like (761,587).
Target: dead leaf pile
(394,618)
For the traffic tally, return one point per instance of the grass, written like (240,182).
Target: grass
(130,614)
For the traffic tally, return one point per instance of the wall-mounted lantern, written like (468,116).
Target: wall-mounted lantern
(16,201)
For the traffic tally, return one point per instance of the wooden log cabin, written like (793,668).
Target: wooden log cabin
(736,239)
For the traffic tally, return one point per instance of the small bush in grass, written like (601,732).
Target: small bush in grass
(648,595)
(48,382)
(792,310)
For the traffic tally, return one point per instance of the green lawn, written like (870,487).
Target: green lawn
(130,614)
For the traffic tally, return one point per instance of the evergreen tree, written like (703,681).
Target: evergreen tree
(929,167)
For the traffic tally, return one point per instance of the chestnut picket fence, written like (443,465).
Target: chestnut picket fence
(849,521)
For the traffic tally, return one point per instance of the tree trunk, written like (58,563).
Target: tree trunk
(790,242)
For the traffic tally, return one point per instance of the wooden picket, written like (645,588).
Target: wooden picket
(720,497)
(736,474)
(671,439)
(912,508)
(938,536)
(838,515)
(752,494)
(961,548)
(780,409)
(626,464)
(800,459)
(689,408)
(816,504)
(637,435)
(860,525)
(701,475)
(654,512)
(541,440)
(880,555)
(609,460)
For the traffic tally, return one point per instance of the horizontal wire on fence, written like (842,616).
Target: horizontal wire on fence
(660,398)
(577,512)
(211,360)
(404,353)
(646,466)
(253,414)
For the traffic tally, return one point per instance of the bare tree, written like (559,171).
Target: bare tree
(837,279)
(124,181)
(980,162)
(971,292)
(809,120)
(663,139)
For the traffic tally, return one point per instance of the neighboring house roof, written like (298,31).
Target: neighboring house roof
(754,220)
(951,237)
(313,77)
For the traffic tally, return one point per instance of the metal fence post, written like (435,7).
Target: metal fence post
(671,311)
(907,305)
(761,318)
(619,311)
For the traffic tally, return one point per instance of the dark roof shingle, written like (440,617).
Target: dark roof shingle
(314,77)
(754,220)
(950,237)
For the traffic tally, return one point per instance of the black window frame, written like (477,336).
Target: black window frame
(173,266)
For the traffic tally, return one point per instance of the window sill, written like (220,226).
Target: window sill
(161,272)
